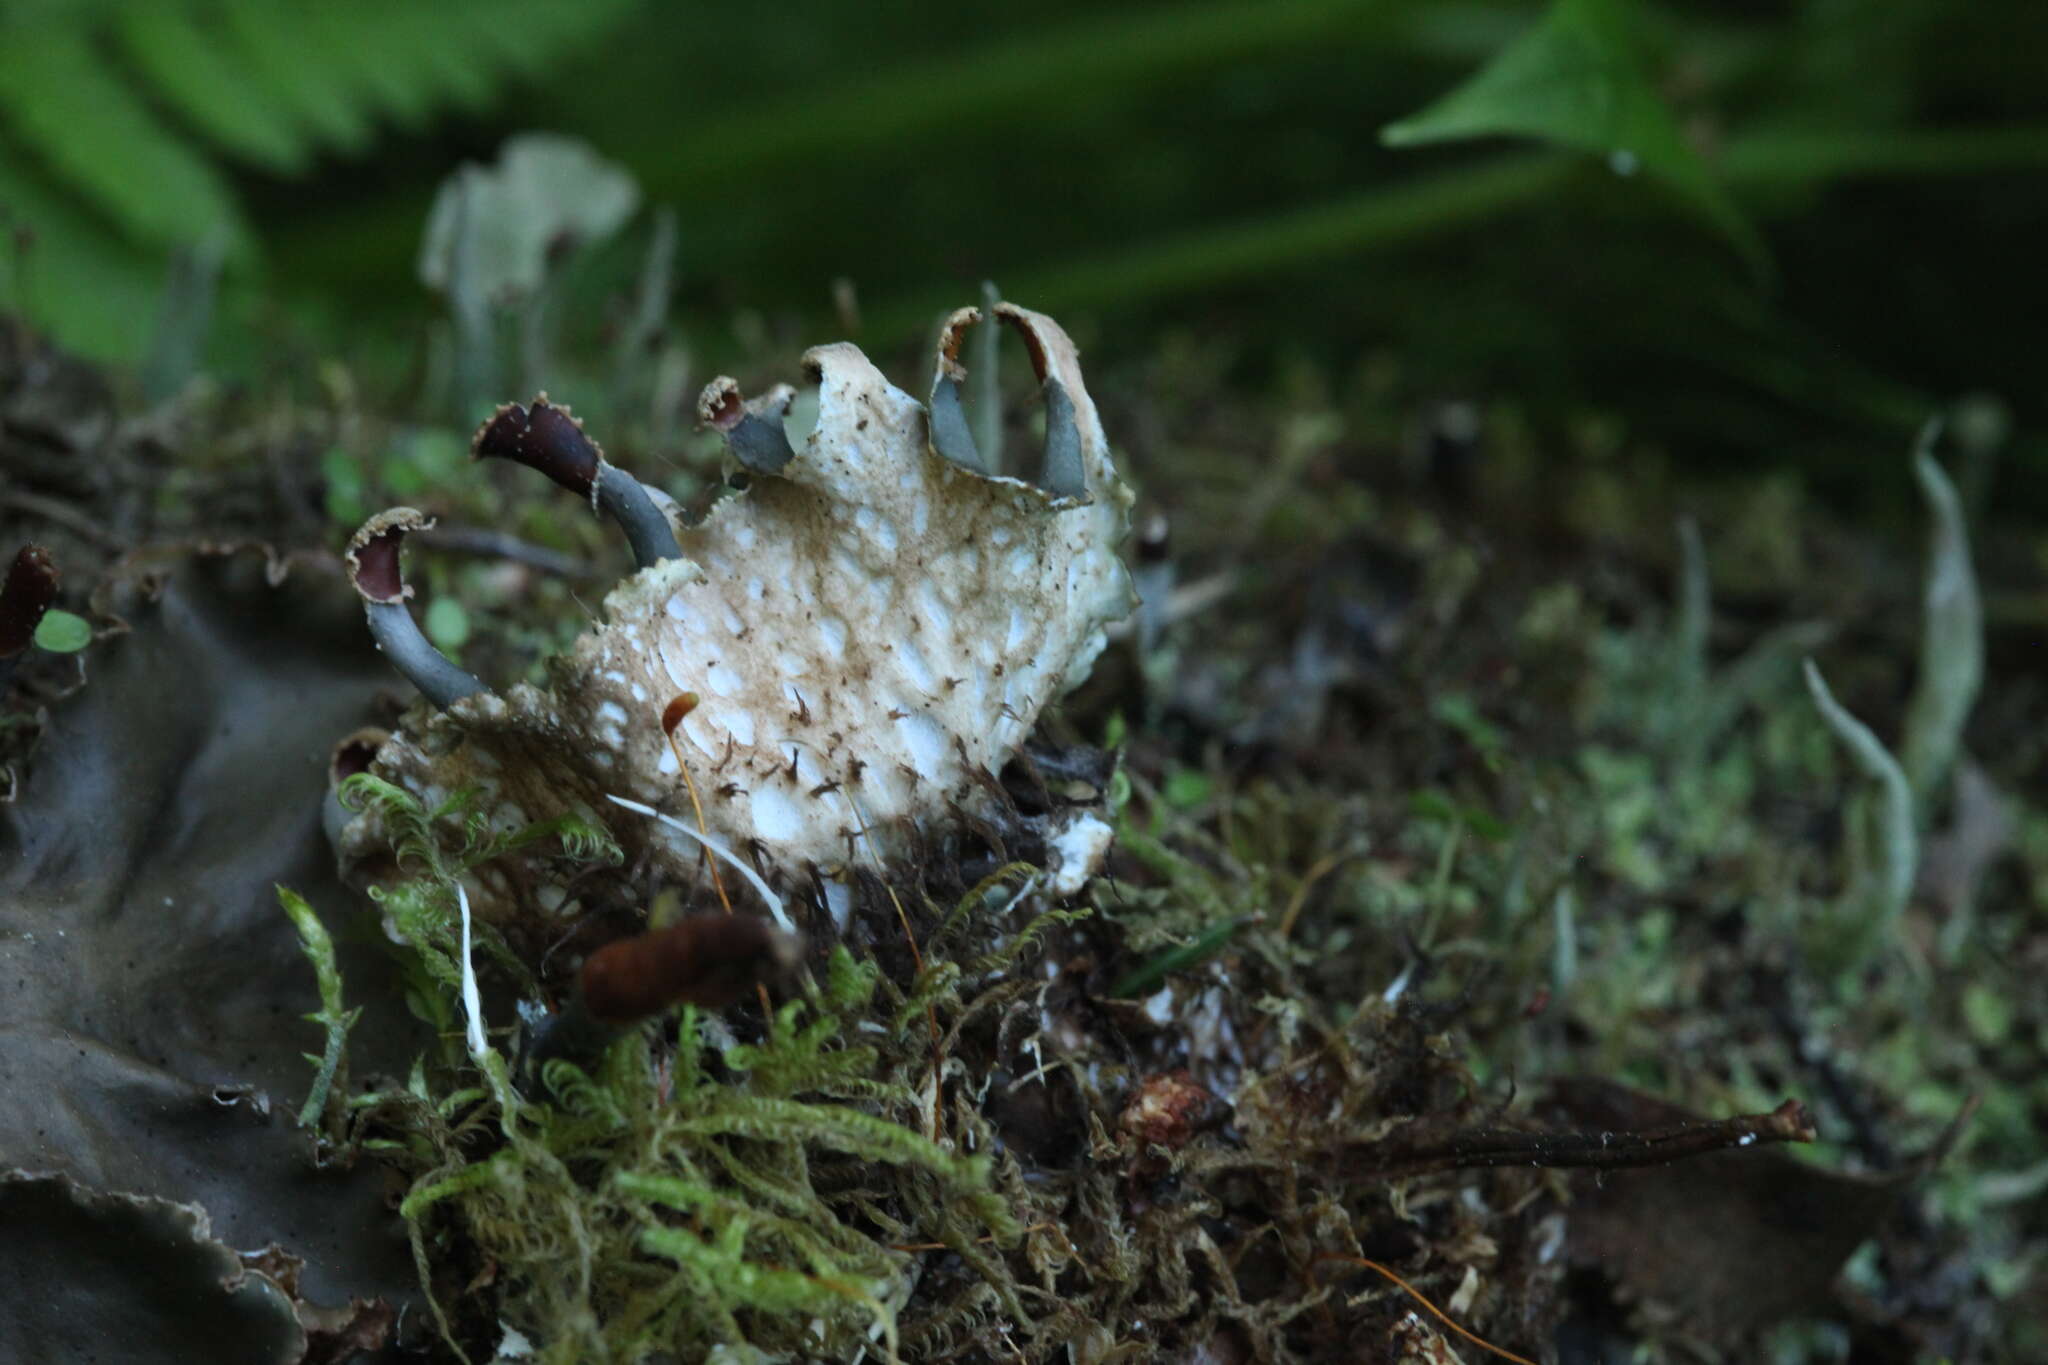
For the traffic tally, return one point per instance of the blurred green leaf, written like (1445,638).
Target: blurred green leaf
(1185,788)
(1430,803)
(115,115)
(1378,219)
(291,69)
(1987,1012)
(347,498)
(68,271)
(62,633)
(429,460)
(67,105)
(1576,79)
(1458,712)
(203,80)
(447,623)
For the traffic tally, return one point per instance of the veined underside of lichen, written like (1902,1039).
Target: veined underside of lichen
(869,631)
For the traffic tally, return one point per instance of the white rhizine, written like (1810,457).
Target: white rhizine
(1078,850)
(774,901)
(472,1004)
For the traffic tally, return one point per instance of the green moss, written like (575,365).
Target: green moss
(687,1193)
(330,1077)
(692,1189)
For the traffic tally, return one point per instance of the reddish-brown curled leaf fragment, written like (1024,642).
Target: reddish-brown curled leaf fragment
(708,960)
(30,589)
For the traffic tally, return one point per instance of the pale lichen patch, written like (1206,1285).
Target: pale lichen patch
(867,617)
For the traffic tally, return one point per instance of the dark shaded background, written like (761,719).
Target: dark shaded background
(1210,166)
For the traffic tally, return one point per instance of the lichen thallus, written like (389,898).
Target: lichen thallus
(876,624)
(704,959)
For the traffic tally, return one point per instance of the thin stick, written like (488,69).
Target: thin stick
(65,515)
(931,1016)
(1471,1148)
(1323,867)
(1423,1299)
(474,540)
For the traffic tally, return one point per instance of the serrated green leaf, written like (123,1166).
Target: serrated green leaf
(529,36)
(446,43)
(64,103)
(297,72)
(1576,79)
(203,80)
(78,279)
(62,633)
(383,71)
(1185,788)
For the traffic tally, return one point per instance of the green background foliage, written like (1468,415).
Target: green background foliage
(1819,243)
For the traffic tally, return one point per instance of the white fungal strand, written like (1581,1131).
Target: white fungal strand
(773,901)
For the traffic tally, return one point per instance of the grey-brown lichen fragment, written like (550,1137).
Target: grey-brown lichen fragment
(864,630)
(90,1271)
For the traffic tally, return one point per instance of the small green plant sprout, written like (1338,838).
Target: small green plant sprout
(1148,975)
(62,632)
(855,676)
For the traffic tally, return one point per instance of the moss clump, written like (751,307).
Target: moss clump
(695,1192)
(695,1188)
